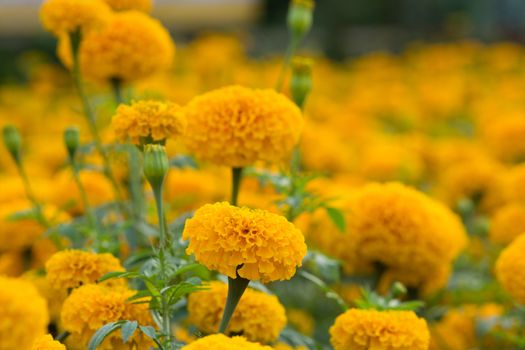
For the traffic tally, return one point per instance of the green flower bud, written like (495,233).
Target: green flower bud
(301,82)
(72,141)
(156,164)
(398,290)
(300,18)
(13,142)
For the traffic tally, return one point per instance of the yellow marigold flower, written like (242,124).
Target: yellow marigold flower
(46,342)
(91,306)
(255,244)
(510,269)
(24,314)
(11,264)
(506,136)
(236,126)
(222,342)
(73,268)
(148,121)
(125,5)
(258,317)
(507,223)
(371,329)
(131,46)
(55,297)
(301,320)
(67,16)
(284,346)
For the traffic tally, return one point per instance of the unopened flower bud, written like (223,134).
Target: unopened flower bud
(72,141)
(301,82)
(156,164)
(398,289)
(13,142)
(300,18)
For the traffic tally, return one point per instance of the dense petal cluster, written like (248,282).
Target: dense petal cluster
(91,306)
(46,342)
(24,315)
(259,317)
(148,121)
(254,244)
(236,126)
(370,329)
(222,342)
(510,269)
(131,46)
(125,5)
(73,268)
(66,16)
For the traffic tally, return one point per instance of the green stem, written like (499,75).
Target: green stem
(236,288)
(163,251)
(116,84)
(135,183)
(90,115)
(87,208)
(290,52)
(236,184)
(62,336)
(31,195)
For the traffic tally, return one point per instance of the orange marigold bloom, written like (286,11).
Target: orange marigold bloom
(510,269)
(222,342)
(236,126)
(125,5)
(46,342)
(371,329)
(254,244)
(73,268)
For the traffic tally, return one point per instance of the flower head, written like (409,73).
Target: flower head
(222,342)
(125,5)
(24,314)
(151,121)
(91,306)
(371,329)
(507,223)
(46,342)
(258,317)
(510,269)
(254,244)
(67,16)
(73,268)
(236,126)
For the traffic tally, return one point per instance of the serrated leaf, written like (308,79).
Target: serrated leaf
(337,218)
(102,333)
(127,330)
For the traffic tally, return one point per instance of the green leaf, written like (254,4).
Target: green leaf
(119,274)
(102,333)
(329,292)
(337,218)
(149,331)
(128,328)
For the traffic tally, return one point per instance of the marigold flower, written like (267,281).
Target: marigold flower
(259,317)
(73,268)
(507,223)
(54,297)
(125,5)
(254,244)
(67,16)
(148,121)
(236,126)
(222,342)
(301,321)
(510,269)
(24,314)
(131,46)
(371,329)
(46,342)
(91,306)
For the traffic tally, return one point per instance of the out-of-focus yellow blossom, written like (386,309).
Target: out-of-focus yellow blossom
(507,223)
(55,297)
(91,306)
(73,268)
(222,342)
(97,186)
(148,121)
(301,320)
(284,346)
(24,314)
(259,317)
(67,16)
(131,46)
(371,329)
(125,5)
(46,342)
(511,184)
(182,334)
(11,264)
(505,136)
(253,244)
(237,126)
(457,329)
(43,248)
(510,269)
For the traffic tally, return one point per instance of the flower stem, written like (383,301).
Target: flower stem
(290,52)
(236,288)
(236,184)
(62,336)
(116,84)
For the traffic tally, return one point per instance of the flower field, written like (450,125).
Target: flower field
(161,195)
